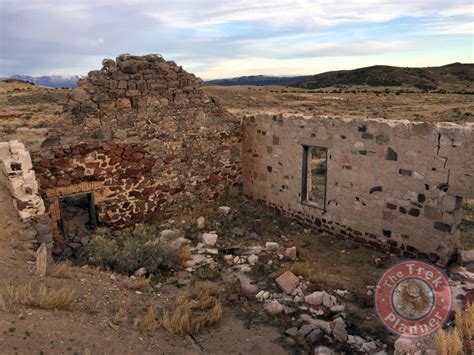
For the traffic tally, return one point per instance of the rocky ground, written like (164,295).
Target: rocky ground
(284,289)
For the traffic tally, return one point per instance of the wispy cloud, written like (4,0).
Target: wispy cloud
(50,36)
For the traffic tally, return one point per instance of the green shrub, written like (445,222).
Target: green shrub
(130,249)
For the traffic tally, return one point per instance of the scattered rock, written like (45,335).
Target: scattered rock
(466,257)
(405,345)
(245,283)
(305,329)
(252,259)
(258,226)
(339,330)
(329,300)
(292,332)
(271,246)
(323,350)
(200,222)
(173,238)
(209,239)
(315,299)
(273,307)
(140,272)
(338,308)
(315,336)
(224,210)
(290,253)
(41,260)
(287,282)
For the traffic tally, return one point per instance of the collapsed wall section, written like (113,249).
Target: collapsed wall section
(395,185)
(142,137)
(17,175)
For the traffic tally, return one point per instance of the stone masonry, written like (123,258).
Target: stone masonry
(143,138)
(395,185)
(19,177)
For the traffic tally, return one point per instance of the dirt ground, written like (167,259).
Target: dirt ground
(88,328)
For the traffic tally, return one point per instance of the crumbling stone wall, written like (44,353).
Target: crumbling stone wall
(143,138)
(395,185)
(17,175)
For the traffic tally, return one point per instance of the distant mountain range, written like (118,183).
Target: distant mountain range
(53,81)
(455,76)
(257,80)
(452,76)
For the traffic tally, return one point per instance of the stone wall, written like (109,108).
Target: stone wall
(17,175)
(143,138)
(20,179)
(395,185)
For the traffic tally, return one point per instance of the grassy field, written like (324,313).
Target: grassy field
(26,111)
(363,102)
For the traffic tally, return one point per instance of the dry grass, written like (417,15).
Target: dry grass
(138,284)
(121,311)
(458,340)
(3,305)
(61,298)
(146,323)
(60,270)
(184,254)
(373,103)
(194,310)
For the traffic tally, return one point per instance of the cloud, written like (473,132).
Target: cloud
(50,36)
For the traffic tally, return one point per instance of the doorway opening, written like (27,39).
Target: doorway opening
(77,223)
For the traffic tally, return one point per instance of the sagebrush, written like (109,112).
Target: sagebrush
(130,249)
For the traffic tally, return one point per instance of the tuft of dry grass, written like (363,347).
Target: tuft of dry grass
(121,311)
(61,298)
(137,284)
(460,339)
(60,270)
(146,323)
(3,305)
(194,310)
(184,254)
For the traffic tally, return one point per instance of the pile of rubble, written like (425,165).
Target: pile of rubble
(318,317)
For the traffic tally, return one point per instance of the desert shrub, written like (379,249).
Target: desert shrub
(120,313)
(458,340)
(194,310)
(61,298)
(60,270)
(146,323)
(137,284)
(130,249)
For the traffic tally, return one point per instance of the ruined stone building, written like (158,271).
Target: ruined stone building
(140,138)
(396,185)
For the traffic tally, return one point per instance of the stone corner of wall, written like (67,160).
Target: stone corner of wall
(17,172)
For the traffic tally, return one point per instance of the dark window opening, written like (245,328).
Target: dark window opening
(78,215)
(314,178)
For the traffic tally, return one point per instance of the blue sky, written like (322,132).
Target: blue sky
(216,38)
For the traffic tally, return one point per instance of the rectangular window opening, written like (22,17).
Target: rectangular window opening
(314,178)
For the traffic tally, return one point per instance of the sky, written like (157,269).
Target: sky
(221,39)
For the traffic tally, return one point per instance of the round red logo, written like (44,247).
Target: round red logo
(413,298)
